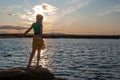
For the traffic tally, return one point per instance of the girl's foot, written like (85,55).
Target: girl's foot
(28,66)
(38,66)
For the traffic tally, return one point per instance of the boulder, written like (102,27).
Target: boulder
(21,73)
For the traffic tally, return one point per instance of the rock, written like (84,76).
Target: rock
(21,73)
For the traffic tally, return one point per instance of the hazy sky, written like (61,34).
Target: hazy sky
(66,16)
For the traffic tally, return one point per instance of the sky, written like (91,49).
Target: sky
(62,16)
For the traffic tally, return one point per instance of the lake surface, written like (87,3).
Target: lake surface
(74,59)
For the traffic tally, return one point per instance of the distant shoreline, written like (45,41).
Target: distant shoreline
(64,36)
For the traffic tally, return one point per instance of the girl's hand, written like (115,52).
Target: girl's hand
(21,35)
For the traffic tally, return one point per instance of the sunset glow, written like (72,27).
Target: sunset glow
(68,16)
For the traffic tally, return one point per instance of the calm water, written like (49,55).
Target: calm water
(74,59)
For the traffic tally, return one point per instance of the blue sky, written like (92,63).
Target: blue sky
(66,16)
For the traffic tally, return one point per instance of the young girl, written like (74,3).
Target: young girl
(38,42)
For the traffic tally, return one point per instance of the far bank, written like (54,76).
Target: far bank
(63,36)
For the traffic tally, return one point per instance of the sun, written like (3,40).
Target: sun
(44,9)
(39,9)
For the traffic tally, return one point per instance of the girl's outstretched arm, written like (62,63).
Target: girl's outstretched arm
(29,29)
(25,32)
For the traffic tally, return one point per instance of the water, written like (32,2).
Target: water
(74,59)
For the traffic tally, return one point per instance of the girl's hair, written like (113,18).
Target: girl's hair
(39,18)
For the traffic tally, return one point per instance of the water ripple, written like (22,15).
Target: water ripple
(74,59)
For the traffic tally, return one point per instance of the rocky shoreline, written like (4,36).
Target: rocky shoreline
(21,73)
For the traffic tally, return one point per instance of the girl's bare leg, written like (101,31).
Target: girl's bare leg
(38,58)
(31,57)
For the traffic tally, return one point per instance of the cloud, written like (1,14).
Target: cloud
(75,7)
(10,8)
(29,14)
(26,17)
(44,8)
(27,11)
(110,10)
(14,7)
(12,28)
(63,19)
(50,9)
(73,1)
(26,22)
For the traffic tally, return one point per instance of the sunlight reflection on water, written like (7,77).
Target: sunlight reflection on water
(43,61)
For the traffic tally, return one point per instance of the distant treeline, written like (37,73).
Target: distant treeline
(63,36)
